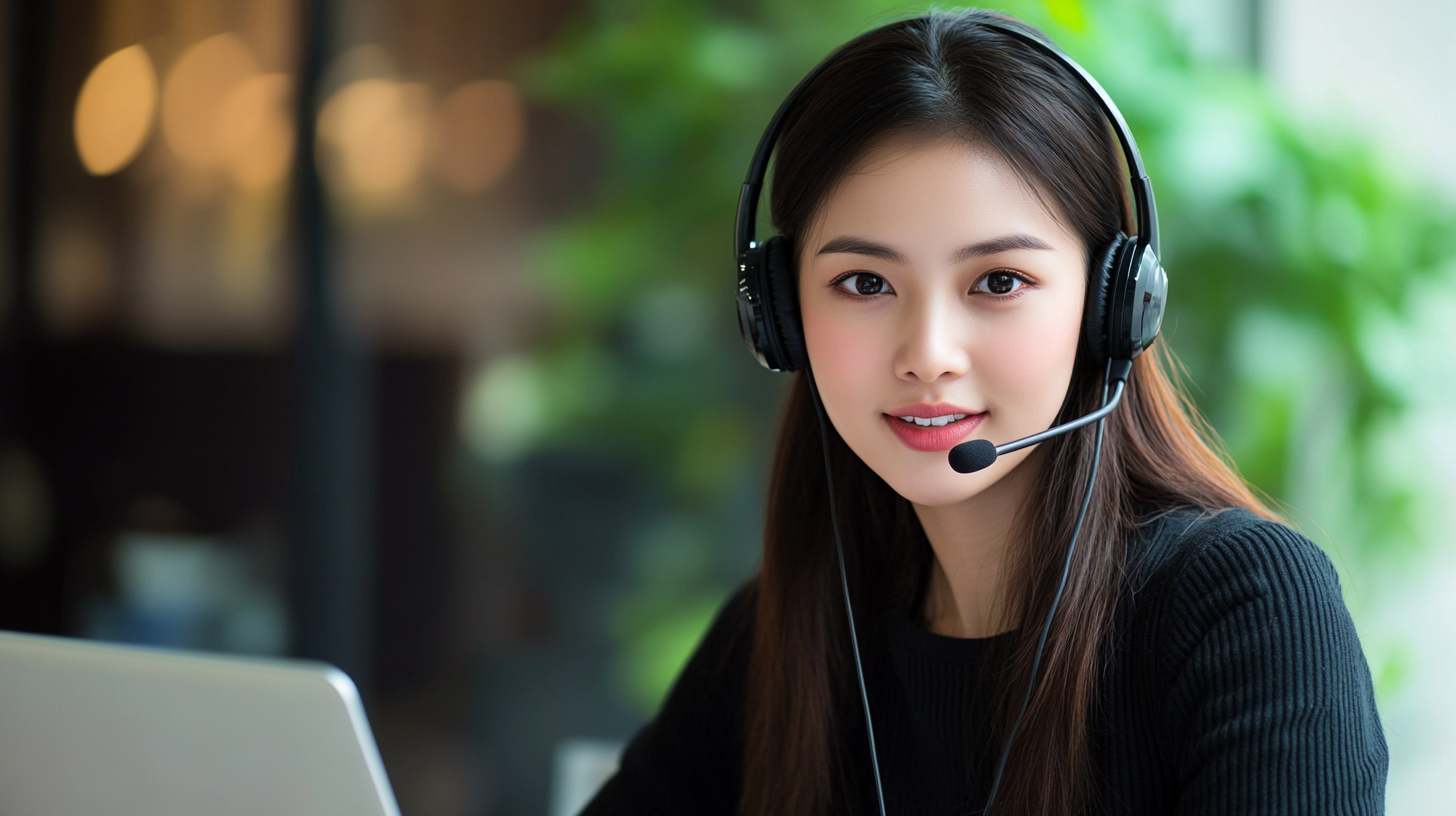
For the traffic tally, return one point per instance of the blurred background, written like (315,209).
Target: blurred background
(397,333)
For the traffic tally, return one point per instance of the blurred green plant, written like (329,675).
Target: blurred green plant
(1292,254)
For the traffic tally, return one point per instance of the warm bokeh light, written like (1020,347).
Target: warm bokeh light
(254,130)
(115,111)
(375,133)
(197,87)
(478,134)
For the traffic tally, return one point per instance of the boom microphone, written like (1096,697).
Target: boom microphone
(979,454)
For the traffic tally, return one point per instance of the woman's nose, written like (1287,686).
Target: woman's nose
(932,345)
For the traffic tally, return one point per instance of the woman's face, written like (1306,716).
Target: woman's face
(935,286)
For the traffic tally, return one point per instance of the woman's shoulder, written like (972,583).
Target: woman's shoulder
(1197,549)
(722,653)
(1239,634)
(734,622)
(1198,578)
(688,758)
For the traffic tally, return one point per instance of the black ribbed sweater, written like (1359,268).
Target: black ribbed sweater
(1235,685)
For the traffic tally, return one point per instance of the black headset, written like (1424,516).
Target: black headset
(1127,289)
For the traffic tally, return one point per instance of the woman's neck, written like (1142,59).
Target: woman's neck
(972,541)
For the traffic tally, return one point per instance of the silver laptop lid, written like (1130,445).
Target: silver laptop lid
(87,728)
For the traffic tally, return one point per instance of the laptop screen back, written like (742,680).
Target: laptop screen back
(91,728)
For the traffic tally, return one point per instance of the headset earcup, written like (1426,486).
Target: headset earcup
(1149,301)
(783,296)
(1099,298)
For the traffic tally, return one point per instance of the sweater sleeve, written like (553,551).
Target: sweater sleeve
(1268,686)
(688,760)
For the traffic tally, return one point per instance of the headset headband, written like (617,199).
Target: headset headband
(1142,189)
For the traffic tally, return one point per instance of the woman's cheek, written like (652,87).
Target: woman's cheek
(1025,365)
(844,354)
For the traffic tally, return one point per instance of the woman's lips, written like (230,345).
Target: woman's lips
(932,437)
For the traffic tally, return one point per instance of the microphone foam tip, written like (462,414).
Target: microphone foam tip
(969,457)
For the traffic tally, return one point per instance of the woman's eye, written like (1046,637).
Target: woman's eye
(999,283)
(864,283)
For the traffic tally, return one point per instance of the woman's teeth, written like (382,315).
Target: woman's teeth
(936,421)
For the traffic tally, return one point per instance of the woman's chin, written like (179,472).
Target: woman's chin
(929,481)
(938,490)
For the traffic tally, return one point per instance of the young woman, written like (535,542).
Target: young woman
(1104,622)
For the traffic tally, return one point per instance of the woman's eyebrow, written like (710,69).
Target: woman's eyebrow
(995,245)
(852,245)
(860,246)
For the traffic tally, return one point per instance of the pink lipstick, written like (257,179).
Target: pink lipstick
(937,427)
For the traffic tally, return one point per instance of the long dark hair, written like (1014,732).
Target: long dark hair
(944,74)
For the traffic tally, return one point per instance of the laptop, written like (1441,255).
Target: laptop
(97,728)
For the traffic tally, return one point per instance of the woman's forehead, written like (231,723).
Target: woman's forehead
(928,193)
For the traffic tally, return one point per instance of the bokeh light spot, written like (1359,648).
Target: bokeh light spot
(255,131)
(115,110)
(375,131)
(197,87)
(505,408)
(479,132)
